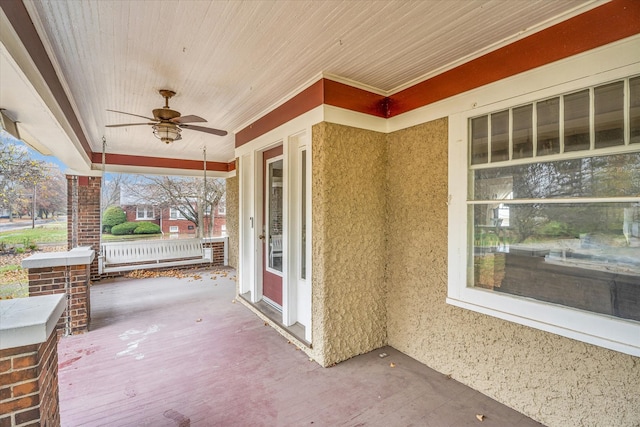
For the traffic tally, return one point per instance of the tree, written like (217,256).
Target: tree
(111,188)
(113,215)
(19,176)
(185,194)
(51,193)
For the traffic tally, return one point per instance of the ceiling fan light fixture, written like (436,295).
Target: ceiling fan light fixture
(166,132)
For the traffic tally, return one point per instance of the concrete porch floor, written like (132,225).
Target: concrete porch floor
(180,352)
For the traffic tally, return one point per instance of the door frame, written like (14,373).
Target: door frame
(293,136)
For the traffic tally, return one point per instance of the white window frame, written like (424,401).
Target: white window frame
(145,210)
(617,334)
(175,214)
(174,229)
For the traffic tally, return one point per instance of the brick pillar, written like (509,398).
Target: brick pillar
(29,364)
(83,215)
(56,280)
(64,273)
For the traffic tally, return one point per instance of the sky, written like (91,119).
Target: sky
(6,138)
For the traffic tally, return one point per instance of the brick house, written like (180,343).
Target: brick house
(171,220)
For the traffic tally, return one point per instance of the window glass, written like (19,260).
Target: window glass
(609,115)
(591,249)
(479,140)
(634,110)
(548,126)
(523,132)
(500,136)
(603,176)
(303,214)
(275,203)
(576,121)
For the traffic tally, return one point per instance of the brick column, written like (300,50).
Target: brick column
(219,247)
(29,361)
(64,273)
(83,215)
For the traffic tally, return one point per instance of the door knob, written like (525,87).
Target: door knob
(261,237)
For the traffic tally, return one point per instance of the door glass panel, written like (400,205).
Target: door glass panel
(275,216)
(303,215)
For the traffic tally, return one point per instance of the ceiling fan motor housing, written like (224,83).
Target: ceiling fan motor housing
(165,113)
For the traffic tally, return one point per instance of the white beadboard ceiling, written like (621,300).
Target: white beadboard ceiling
(231,61)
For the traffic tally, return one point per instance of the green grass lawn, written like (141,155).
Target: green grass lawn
(13,278)
(47,233)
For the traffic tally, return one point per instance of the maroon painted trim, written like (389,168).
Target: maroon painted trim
(602,25)
(23,26)
(305,101)
(157,162)
(231,166)
(355,99)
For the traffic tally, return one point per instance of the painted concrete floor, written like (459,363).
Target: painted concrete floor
(180,352)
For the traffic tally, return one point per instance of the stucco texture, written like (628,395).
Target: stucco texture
(348,197)
(233,215)
(555,380)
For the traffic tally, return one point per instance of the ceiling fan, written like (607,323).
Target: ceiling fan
(167,123)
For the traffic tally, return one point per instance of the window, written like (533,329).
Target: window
(175,214)
(145,212)
(173,229)
(222,206)
(553,215)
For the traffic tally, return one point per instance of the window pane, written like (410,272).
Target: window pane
(303,215)
(609,115)
(634,110)
(576,121)
(500,136)
(585,256)
(523,132)
(603,176)
(479,140)
(548,125)
(275,215)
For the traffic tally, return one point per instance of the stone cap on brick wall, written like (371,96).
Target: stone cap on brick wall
(81,255)
(26,321)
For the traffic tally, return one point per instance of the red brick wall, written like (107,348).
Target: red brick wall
(29,385)
(166,223)
(52,280)
(218,252)
(83,214)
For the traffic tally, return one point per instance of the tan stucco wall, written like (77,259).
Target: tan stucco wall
(233,217)
(348,197)
(555,380)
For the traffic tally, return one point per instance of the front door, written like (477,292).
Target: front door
(272,227)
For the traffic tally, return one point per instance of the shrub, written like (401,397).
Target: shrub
(556,229)
(124,228)
(113,215)
(147,228)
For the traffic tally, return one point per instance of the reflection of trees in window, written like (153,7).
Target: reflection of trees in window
(590,177)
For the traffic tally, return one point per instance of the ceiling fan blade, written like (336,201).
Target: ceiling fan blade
(128,124)
(131,114)
(204,129)
(188,119)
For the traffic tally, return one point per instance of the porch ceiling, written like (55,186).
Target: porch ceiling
(229,62)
